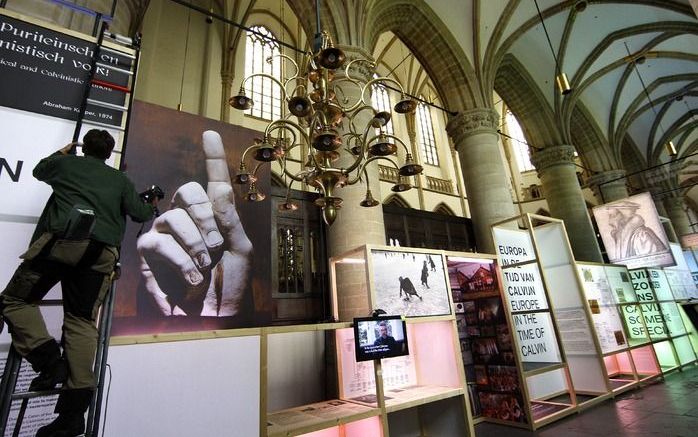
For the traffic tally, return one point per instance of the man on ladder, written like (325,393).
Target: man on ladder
(76,242)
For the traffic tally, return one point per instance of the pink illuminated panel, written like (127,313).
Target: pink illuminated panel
(433,350)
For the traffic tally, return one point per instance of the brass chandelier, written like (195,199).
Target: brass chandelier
(326,127)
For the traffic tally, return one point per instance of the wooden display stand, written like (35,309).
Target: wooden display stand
(423,393)
(665,323)
(618,324)
(542,288)
(492,366)
(296,397)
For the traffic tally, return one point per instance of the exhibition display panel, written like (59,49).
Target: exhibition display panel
(424,390)
(663,319)
(492,367)
(534,261)
(679,276)
(618,325)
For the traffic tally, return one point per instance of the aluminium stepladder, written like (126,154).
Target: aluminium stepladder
(14,360)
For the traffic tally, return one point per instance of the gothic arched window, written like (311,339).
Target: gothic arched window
(380,99)
(427,143)
(261,57)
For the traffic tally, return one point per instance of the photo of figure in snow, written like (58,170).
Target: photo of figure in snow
(410,283)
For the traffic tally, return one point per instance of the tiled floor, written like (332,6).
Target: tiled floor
(668,408)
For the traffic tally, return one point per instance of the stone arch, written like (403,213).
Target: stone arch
(444,209)
(590,141)
(519,91)
(429,39)
(397,200)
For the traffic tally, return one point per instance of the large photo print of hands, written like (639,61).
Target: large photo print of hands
(204,262)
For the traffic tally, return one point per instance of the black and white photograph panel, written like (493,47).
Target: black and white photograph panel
(410,283)
(632,232)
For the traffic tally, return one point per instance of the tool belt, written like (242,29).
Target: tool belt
(87,253)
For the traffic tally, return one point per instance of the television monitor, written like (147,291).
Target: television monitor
(380,337)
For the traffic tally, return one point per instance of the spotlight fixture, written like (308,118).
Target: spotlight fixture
(563,85)
(671,149)
(328,127)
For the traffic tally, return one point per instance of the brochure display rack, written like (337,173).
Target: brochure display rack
(618,325)
(665,325)
(423,393)
(492,366)
(530,262)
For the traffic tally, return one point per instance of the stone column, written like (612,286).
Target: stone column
(609,185)
(475,137)
(226,93)
(356,225)
(676,210)
(556,171)
(658,199)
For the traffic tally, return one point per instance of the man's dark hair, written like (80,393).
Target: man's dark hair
(98,143)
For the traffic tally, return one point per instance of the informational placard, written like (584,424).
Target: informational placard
(525,297)
(44,71)
(637,332)
(575,331)
(536,337)
(672,318)
(679,276)
(632,233)
(601,301)
(513,246)
(524,288)
(619,280)
(643,284)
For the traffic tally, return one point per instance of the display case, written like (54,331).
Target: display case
(663,319)
(299,383)
(618,325)
(534,260)
(424,392)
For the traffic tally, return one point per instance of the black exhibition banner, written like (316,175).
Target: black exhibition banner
(44,71)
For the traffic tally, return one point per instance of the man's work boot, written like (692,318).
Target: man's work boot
(71,407)
(46,360)
(65,425)
(49,378)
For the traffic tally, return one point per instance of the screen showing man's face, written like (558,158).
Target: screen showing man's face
(383,330)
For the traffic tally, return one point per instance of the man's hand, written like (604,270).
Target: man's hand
(196,259)
(69,149)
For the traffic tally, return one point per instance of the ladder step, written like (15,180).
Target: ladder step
(34,394)
(110,85)
(117,52)
(107,105)
(119,38)
(111,67)
(109,126)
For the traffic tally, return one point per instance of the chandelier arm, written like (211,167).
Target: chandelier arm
(356,112)
(357,161)
(284,128)
(292,61)
(404,146)
(365,164)
(337,87)
(291,175)
(275,123)
(382,79)
(247,150)
(268,76)
(256,167)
